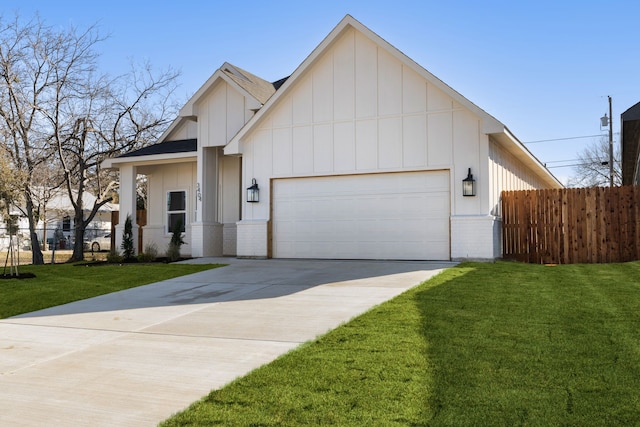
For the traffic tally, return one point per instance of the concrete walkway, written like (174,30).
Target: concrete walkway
(135,357)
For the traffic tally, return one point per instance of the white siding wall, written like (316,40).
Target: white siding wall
(360,110)
(161,179)
(186,130)
(506,173)
(221,114)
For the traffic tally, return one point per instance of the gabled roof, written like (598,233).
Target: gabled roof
(250,85)
(247,83)
(167,147)
(490,125)
(260,89)
(60,202)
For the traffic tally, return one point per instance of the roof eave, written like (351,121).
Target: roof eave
(509,142)
(190,111)
(116,162)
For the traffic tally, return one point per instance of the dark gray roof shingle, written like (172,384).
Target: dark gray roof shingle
(167,147)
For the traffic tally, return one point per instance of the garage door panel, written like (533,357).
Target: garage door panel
(379,216)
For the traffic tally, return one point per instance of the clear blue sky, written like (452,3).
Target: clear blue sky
(543,68)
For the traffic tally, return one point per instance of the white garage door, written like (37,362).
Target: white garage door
(403,216)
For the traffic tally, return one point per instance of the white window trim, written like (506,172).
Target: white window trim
(167,211)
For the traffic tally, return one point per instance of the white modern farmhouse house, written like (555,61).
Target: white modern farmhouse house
(360,154)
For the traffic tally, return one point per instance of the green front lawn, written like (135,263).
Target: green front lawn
(479,345)
(62,283)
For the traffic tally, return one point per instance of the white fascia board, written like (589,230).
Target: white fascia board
(509,142)
(232,148)
(190,110)
(177,121)
(154,159)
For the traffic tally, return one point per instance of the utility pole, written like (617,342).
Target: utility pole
(610,144)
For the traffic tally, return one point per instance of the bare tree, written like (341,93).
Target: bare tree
(55,106)
(101,119)
(592,167)
(26,80)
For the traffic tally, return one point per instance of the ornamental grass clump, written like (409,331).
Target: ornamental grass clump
(149,254)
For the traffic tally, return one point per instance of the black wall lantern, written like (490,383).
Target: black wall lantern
(253,192)
(469,185)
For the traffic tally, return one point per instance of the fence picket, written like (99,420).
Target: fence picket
(572,225)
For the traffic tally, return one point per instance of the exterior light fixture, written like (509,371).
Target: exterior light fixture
(469,185)
(253,192)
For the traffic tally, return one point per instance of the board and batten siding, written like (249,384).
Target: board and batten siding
(222,111)
(506,173)
(358,109)
(187,129)
(221,114)
(161,180)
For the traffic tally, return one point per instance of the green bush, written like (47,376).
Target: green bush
(114,257)
(149,254)
(173,251)
(127,240)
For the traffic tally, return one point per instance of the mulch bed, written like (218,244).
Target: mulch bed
(18,276)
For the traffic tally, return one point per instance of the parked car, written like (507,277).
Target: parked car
(100,243)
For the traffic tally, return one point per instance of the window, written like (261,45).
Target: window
(66,223)
(176,210)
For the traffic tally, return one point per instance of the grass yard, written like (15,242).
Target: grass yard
(60,256)
(62,283)
(480,345)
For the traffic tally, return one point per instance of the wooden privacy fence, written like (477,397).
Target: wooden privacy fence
(571,225)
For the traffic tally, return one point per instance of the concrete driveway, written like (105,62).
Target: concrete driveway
(135,357)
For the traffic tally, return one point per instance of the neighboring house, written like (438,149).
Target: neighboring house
(360,154)
(58,214)
(631,146)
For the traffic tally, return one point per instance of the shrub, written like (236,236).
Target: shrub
(127,240)
(114,257)
(149,254)
(173,251)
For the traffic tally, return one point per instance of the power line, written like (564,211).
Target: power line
(564,139)
(567,166)
(562,161)
(604,163)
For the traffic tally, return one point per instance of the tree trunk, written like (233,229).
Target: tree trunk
(78,246)
(78,235)
(36,251)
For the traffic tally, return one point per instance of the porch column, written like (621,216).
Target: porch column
(128,174)
(206,231)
